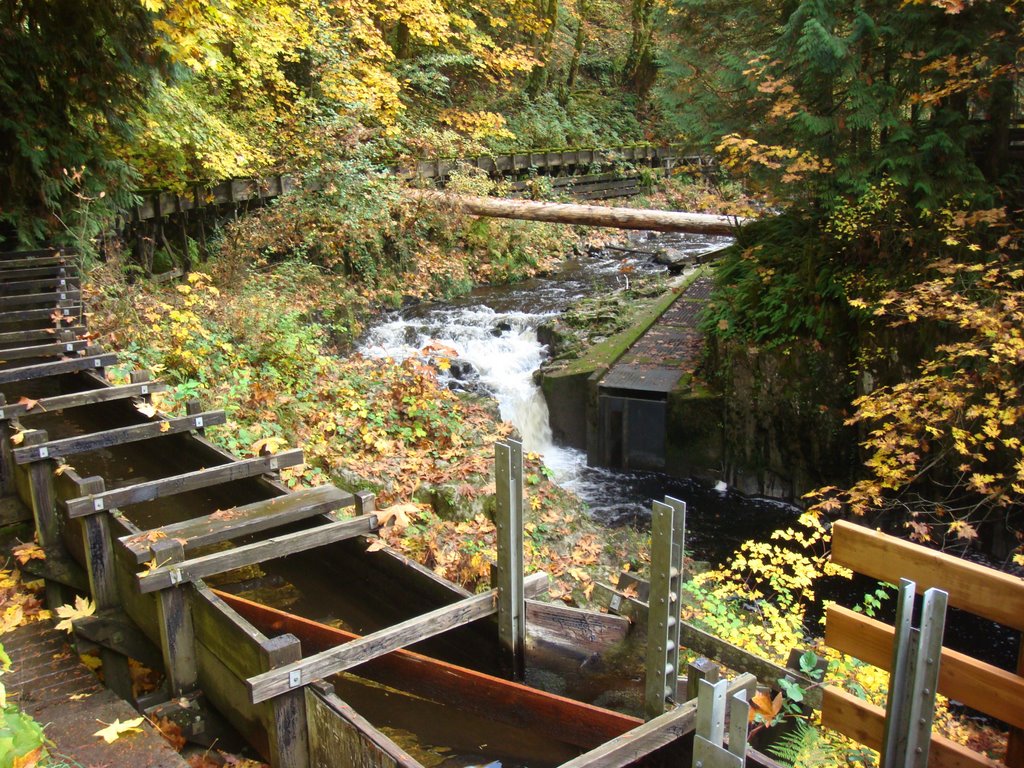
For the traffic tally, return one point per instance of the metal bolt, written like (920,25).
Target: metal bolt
(918,750)
(698,764)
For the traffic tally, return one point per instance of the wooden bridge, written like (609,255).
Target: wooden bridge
(152,516)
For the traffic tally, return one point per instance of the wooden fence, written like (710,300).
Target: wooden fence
(981,591)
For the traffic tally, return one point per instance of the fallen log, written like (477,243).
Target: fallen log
(593,215)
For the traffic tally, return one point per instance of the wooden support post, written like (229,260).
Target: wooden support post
(508,519)
(99,562)
(177,638)
(701,669)
(193,408)
(668,532)
(286,727)
(366,502)
(44,510)
(6,455)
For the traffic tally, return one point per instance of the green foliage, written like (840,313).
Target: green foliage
(859,91)
(70,75)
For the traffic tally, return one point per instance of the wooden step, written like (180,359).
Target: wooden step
(20,338)
(227,524)
(50,298)
(60,367)
(172,574)
(56,349)
(66,310)
(94,441)
(79,399)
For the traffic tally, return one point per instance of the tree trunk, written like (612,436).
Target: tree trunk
(540,75)
(591,215)
(403,47)
(640,68)
(577,52)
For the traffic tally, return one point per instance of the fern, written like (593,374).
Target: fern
(803,747)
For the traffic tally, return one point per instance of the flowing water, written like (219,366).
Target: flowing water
(493,331)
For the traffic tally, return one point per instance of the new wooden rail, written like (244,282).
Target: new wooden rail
(979,590)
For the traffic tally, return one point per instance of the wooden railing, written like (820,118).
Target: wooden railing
(973,588)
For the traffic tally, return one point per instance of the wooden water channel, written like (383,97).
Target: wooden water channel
(144,513)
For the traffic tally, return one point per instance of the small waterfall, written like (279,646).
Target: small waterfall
(497,352)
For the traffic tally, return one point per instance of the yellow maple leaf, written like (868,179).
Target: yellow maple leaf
(116,729)
(268,445)
(30,551)
(146,409)
(68,613)
(164,426)
(11,618)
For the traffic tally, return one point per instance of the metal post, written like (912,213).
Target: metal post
(508,519)
(910,708)
(668,533)
(708,749)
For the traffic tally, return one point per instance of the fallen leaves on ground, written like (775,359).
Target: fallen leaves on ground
(171,731)
(117,729)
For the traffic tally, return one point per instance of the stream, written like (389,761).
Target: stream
(494,332)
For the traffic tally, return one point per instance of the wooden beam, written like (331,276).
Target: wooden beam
(556,717)
(229,524)
(177,484)
(984,687)
(974,588)
(94,441)
(37,334)
(414,630)
(56,282)
(80,399)
(35,299)
(652,735)
(66,271)
(119,633)
(864,723)
(40,261)
(177,635)
(166,576)
(56,349)
(592,215)
(57,368)
(66,311)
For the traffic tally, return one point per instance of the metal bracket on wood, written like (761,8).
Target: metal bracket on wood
(708,751)
(668,534)
(910,707)
(508,518)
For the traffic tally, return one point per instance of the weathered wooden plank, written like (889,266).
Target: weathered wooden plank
(864,723)
(56,368)
(974,588)
(80,399)
(116,631)
(177,635)
(34,299)
(232,639)
(67,311)
(338,735)
(66,271)
(736,658)
(330,662)
(228,694)
(56,282)
(190,481)
(242,521)
(29,253)
(652,735)
(257,552)
(37,334)
(988,689)
(586,632)
(56,349)
(557,717)
(70,446)
(287,730)
(35,261)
